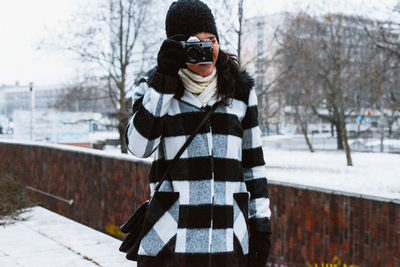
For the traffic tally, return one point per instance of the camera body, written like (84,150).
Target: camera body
(198,52)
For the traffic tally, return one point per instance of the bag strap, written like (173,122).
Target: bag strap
(185,145)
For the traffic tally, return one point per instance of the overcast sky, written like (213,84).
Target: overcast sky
(23,23)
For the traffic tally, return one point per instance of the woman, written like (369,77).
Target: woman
(214,210)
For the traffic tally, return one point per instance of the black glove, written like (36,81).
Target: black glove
(171,56)
(259,246)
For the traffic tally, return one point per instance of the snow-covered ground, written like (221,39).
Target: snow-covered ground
(373,174)
(46,239)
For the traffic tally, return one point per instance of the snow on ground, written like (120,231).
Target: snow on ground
(373,174)
(46,239)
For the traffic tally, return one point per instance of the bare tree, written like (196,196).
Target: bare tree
(116,37)
(229,16)
(295,62)
(325,55)
(87,95)
(384,83)
(269,94)
(302,115)
(239,31)
(385,36)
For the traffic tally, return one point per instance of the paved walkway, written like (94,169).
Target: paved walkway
(47,239)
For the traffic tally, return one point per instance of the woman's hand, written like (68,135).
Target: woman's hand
(259,246)
(171,56)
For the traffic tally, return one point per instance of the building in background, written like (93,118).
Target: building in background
(90,97)
(77,128)
(19,97)
(58,114)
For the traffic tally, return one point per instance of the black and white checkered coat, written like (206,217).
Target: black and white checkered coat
(218,188)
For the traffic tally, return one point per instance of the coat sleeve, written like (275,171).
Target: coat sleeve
(151,101)
(254,168)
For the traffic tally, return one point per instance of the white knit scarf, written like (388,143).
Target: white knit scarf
(203,88)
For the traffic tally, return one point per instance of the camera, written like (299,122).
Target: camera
(198,52)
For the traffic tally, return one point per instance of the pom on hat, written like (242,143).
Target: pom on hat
(189,17)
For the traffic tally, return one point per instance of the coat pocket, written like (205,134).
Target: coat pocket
(161,223)
(240,221)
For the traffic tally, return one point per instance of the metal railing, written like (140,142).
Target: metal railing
(69,202)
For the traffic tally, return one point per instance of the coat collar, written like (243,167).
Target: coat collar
(189,98)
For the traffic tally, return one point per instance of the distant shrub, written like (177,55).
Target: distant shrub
(13,198)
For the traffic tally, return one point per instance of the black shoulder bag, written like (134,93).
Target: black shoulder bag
(134,225)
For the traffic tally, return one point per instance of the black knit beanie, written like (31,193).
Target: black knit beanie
(189,17)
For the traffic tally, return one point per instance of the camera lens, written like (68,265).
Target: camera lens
(194,53)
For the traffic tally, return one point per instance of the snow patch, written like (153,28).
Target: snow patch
(47,239)
(373,174)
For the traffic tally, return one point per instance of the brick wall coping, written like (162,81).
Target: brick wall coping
(333,191)
(130,157)
(95,152)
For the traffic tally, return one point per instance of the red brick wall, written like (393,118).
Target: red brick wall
(105,190)
(314,228)
(310,227)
